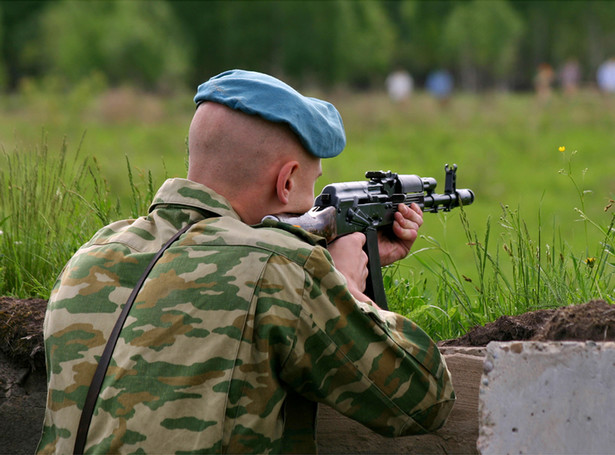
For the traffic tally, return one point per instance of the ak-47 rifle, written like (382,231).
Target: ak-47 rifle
(343,208)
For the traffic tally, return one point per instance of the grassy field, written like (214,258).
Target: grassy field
(539,233)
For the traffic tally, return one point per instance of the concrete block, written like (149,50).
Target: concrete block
(547,398)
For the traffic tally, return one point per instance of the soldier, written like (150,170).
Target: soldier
(239,327)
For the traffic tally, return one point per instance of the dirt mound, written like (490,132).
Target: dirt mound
(21,330)
(594,320)
(23,380)
(21,327)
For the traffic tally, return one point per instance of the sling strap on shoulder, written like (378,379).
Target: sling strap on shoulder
(105,359)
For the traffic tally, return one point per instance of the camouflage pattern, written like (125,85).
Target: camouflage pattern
(232,320)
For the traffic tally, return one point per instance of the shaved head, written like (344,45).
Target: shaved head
(238,155)
(224,142)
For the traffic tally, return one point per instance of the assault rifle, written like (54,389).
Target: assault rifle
(343,208)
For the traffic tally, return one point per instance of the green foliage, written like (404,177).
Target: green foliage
(507,149)
(419,24)
(161,43)
(51,202)
(558,31)
(135,41)
(520,273)
(482,36)
(362,30)
(39,218)
(534,237)
(324,42)
(529,275)
(3,77)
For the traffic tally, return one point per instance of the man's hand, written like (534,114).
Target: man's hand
(407,222)
(351,261)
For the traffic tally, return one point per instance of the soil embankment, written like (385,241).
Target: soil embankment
(23,380)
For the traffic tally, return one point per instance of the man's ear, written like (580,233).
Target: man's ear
(285,181)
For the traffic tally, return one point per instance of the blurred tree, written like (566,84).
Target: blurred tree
(419,34)
(161,43)
(556,32)
(565,27)
(3,79)
(313,60)
(365,41)
(534,46)
(18,26)
(482,38)
(597,36)
(308,41)
(138,42)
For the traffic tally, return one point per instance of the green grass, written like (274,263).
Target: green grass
(511,274)
(540,233)
(36,199)
(539,213)
(51,202)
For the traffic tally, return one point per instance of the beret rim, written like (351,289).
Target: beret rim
(317,123)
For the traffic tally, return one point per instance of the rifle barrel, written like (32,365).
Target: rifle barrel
(433,202)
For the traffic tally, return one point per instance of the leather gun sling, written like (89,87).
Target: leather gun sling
(101,369)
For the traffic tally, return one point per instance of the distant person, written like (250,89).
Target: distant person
(570,76)
(399,85)
(606,76)
(543,81)
(440,85)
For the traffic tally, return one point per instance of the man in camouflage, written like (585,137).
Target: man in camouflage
(239,323)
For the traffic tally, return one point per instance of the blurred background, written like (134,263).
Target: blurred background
(519,94)
(158,45)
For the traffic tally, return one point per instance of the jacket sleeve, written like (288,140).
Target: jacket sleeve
(374,366)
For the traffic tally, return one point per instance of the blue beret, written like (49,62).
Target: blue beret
(317,123)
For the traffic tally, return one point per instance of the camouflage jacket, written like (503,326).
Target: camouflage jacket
(232,320)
